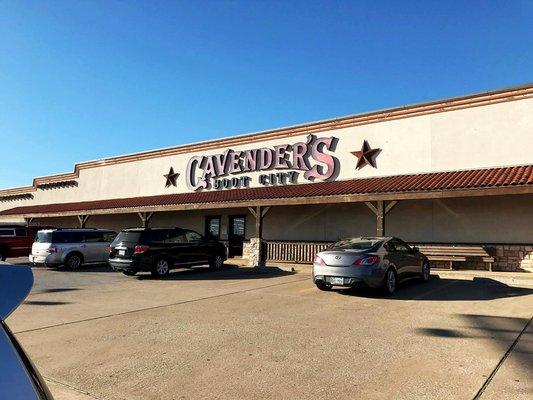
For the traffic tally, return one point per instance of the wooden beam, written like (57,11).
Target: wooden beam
(265,211)
(145,218)
(258,222)
(82,219)
(28,220)
(390,206)
(380,219)
(252,211)
(259,213)
(380,211)
(372,207)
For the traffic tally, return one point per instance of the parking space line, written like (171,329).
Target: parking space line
(160,306)
(73,388)
(500,363)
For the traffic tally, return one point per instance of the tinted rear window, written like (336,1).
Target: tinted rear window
(67,237)
(356,244)
(128,237)
(7,232)
(43,237)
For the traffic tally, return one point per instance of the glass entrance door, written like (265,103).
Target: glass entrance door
(212,227)
(236,234)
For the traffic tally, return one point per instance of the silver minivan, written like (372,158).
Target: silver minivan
(71,247)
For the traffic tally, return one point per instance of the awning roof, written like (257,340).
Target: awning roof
(491,181)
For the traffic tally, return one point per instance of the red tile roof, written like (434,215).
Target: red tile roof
(438,181)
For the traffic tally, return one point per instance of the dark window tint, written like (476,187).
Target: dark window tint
(92,237)
(161,235)
(177,236)
(127,237)
(108,236)
(355,244)
(67,237)
(193,237)
(398,245)
(7,232)
(20,231)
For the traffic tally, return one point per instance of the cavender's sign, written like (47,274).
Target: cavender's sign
(204,172)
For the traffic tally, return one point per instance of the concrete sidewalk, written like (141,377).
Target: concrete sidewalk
(250,333)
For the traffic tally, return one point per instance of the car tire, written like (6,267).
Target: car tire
(323,286)
(161,268)
(426,270)
(216,262)
(391,282)
(73,261)
(129,273)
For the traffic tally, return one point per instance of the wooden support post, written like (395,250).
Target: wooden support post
(259,213)
(380,219)
(83,220)
(380,209)
(145,218)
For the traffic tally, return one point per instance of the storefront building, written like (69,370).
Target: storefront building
(457,172)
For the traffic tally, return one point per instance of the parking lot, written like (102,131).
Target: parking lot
(244,333)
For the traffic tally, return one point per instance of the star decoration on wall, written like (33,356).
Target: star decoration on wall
(171,177)
(366,156)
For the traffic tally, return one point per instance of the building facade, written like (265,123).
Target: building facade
(452,172)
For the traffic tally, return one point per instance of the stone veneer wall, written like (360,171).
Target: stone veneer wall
(246,249)
(510,258)
(513,257)
(507,257)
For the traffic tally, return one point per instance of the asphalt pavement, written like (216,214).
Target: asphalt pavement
(263,334)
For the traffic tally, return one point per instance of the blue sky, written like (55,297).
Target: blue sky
(81,80)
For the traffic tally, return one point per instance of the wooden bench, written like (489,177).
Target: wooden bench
(456,253)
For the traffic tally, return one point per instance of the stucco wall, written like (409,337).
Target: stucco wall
(477,137)
(495,219)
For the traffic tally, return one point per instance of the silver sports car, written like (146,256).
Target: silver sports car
(377,262)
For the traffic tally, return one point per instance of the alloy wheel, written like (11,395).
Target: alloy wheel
(162,267)
(74,262)
(425,271)
(391,281)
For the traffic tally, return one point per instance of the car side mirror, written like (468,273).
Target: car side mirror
(415,249)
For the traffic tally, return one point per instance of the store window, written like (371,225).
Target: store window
(212,227)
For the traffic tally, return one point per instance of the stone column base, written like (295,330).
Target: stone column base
(256,257)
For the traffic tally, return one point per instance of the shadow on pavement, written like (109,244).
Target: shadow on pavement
(503,331)
(446,289)
(45,303)
(228,271)
(58,290)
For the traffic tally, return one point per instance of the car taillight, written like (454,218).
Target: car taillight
(367,260)
(140,249)
(319,260)
(52,249)
(109,249)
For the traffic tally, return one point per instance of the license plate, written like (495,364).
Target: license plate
(337,281)
(122,252)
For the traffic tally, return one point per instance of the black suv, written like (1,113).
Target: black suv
(158,250)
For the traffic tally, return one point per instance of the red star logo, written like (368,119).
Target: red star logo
(366,156)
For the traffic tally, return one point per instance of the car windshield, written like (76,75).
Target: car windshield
(128,237)
(355,244)
(43,237)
